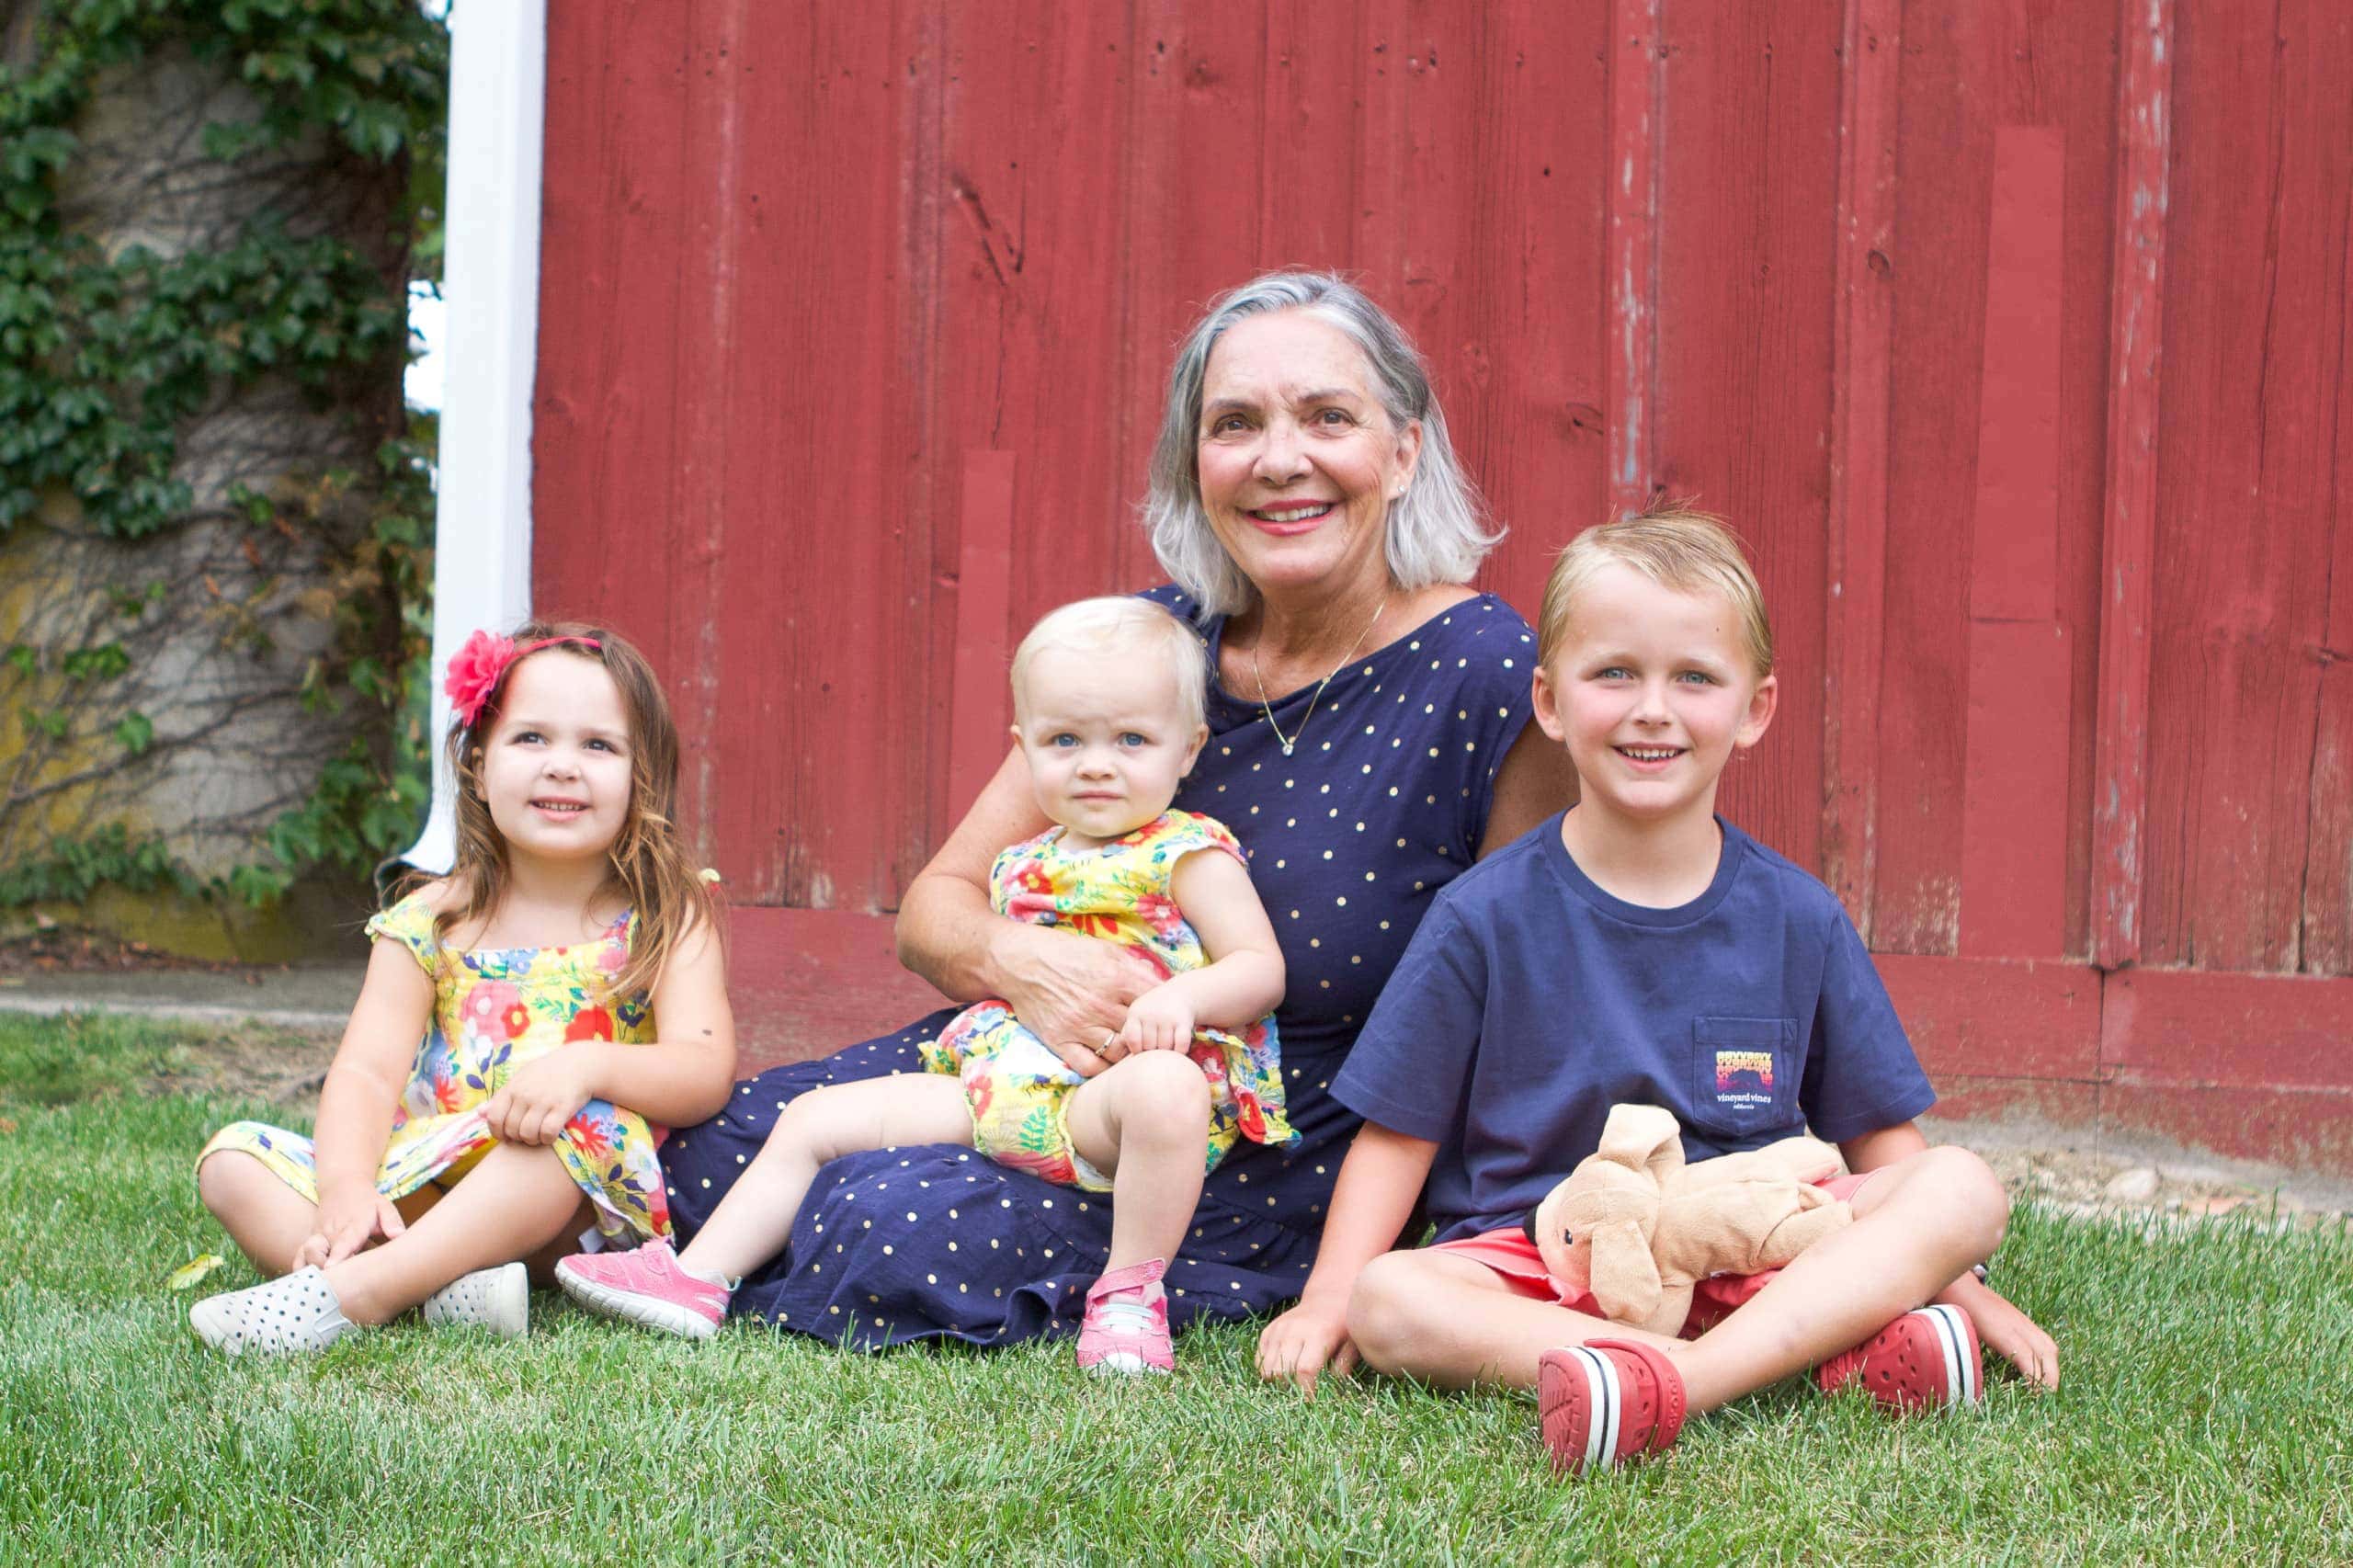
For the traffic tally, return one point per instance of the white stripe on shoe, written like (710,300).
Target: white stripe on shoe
(1952,1338)
(1604,1400)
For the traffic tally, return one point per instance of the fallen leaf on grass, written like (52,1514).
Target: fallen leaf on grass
(2213,1208)
(187,1273)
(7,1124)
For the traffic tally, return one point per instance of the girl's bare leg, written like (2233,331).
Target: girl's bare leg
(754,1223)
(265,1218)
(1145,1123)
(268,1219)
(516,1202)
(1919,1225)
(567,1241)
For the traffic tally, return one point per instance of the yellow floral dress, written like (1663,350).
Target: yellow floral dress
(495,1008)
(1017,1088)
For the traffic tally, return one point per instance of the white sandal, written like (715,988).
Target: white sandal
(497,1299)
(294,1314)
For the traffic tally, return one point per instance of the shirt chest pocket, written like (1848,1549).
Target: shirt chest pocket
(1742,1074)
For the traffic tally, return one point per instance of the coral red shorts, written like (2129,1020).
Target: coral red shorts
(1513,1256)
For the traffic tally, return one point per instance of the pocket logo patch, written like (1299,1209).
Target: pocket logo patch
(1744,1078)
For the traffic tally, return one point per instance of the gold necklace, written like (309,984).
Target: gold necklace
(1267,708)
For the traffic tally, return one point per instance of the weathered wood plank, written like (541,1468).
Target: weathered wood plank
(2014,536)
(2255,274)
(2013,846)
(1193,205)
(1523,363)
(1029,310)
(1636,47)
(1997,1017)
(2043,69)
(2119,802)
(1747,270)
(980,698)
(606,406)
(1861,366)
(2327,945)
(2249,1065)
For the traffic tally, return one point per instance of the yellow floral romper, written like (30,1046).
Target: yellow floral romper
(495,1008)
(1017,1088)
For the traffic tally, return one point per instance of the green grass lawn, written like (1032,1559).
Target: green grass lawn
(2205,1416)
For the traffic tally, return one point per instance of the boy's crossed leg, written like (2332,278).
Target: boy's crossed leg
(1919,1223)
(1450,1320)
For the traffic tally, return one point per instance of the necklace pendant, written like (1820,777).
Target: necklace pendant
(1286,749)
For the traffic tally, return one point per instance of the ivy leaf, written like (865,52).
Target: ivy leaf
(23,660)
(105,662)
(137,733)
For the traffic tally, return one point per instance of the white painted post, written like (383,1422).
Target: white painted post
(482,532)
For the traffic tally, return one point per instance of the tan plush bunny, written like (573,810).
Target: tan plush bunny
(1637,1227)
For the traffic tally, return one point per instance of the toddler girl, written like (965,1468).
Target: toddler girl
(567,986)
(1107,703)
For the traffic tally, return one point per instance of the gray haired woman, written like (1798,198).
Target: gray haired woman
(1366,713)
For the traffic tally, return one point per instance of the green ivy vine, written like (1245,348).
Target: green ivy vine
(104,356)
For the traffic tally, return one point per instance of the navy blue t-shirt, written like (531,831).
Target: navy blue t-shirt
(1530,1001)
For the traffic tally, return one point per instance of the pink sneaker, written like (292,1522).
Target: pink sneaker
(1127,1321)
(646,1286)
(1926,1360)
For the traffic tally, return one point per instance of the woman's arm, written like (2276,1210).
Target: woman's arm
(677,1080)
(1072,992)
(1379,1181)
(1242,983)
(356,1104)
(1535,780)
(946,930)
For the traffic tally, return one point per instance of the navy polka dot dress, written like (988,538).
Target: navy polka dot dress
(1382,802)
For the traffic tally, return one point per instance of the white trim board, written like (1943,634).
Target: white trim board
(482,531)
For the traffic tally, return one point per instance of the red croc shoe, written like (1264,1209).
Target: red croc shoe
(1926,1360)
(1607,1403)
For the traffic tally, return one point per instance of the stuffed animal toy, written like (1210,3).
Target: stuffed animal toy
(1636,1226)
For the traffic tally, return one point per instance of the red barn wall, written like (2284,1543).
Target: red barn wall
(2012,336)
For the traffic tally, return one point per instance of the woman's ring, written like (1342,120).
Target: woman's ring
(1109,1040)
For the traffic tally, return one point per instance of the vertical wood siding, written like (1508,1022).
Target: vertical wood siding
(2012,334)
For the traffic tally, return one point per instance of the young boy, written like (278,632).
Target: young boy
(1637,949)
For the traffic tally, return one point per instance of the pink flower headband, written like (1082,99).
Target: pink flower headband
(476,669)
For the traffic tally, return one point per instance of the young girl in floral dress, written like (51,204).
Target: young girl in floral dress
(567,986)
(1109,696)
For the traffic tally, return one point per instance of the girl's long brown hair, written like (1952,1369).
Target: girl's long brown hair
(650,867)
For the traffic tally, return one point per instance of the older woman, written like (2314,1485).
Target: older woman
(1365,713)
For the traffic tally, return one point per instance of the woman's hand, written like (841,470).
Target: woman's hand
(540,1095)
(1303,1341)
(1160,1019)
(1072,992)
(348,1219)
